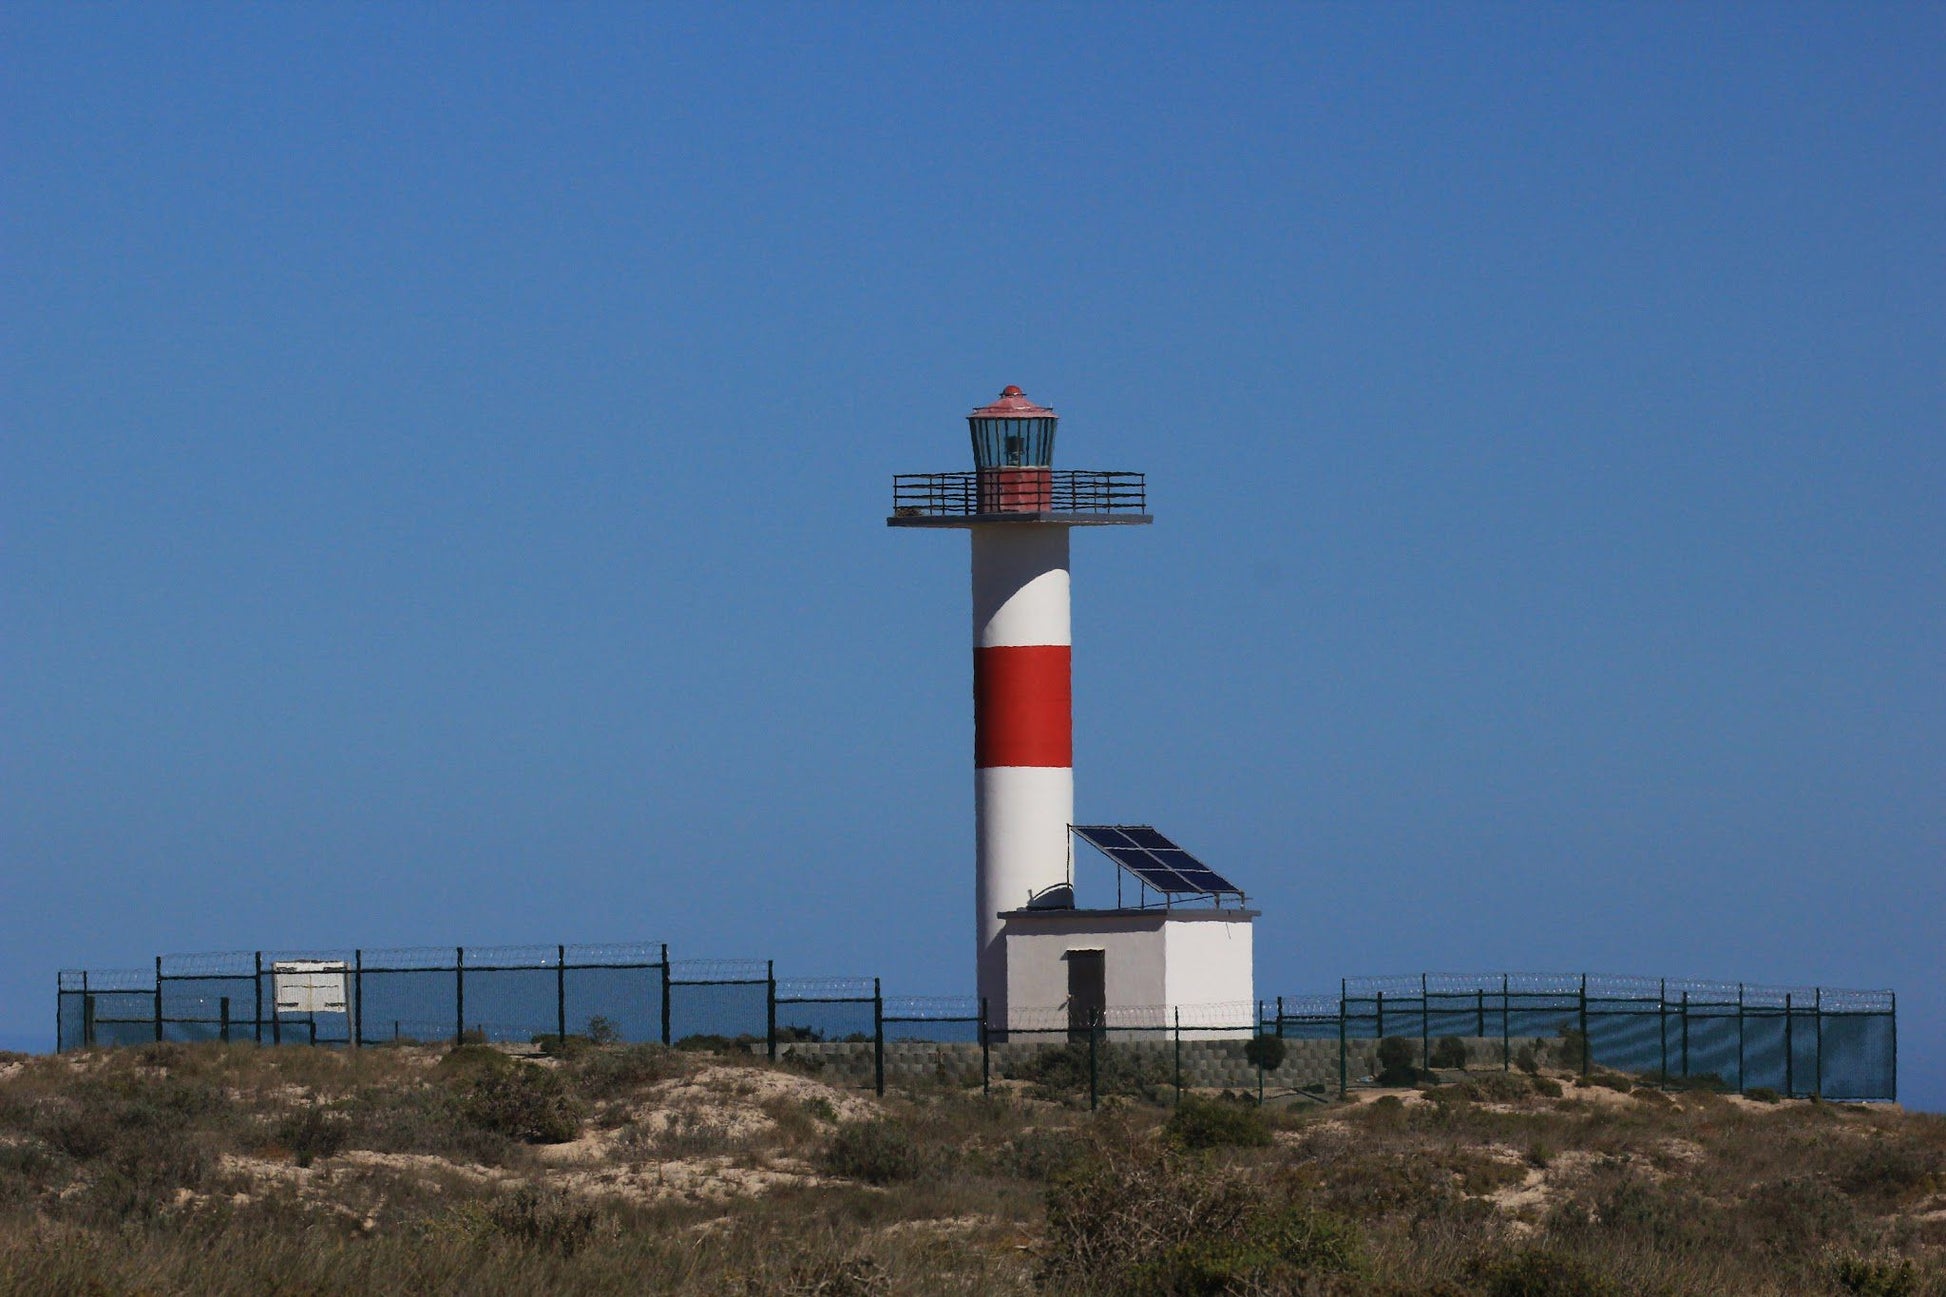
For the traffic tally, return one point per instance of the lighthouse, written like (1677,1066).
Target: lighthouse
(1032,944)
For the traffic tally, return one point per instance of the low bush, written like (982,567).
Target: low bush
(1266,1052)
(877,1152)
(1136,1215)
(1887,1170)
(311,1133)
(524,1103)
(709,1042)
(603,1073)
(1542,1272)
(1199,1123)
(1395,1055)
(1496,1087)
(544,1219)
(1041,1152)
(1870,1276)
(1061,1072)
(1450,1052)
(1762,1094)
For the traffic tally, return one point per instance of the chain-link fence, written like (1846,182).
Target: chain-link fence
(1797,1041)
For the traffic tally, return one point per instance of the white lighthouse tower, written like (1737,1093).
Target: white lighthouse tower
(1020,510)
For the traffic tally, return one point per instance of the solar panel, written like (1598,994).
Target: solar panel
(1158,862)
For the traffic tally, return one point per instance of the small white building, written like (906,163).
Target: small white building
(1183,948)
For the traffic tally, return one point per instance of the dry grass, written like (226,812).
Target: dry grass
(214,1170)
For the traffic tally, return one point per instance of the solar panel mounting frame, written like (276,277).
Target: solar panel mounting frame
(1155,860)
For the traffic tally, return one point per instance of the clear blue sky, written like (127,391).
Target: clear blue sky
(446,452)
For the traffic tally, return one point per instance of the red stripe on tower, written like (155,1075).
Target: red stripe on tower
(1023,706)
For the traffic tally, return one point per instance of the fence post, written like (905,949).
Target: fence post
(561,997)
(1791,1089)
(1179,1056)
(258,983)
(1094,1074)
(459,996)
(1344,1078)
(1587,1050)
(1894,1096)
(986,1051)
(88,1019)
(665,992)
(770,1009)
(358,998)
(878,1039)
(1260,1054)
(1739,1037)
(1817,1010)
(1379,1030)
(224,1009)
(1685,1035)
(158,999)
(1425,1025)
(1479,1012)
(1662,1026)
(1506,1036)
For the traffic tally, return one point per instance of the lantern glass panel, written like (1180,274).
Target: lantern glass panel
(1013,443)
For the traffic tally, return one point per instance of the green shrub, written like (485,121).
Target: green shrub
(1526,1060)
(1270,1249)
(1449,1052)
(1547,1087)
(1395,1055)
(1136,1215)
(569,1046)
(1266,1052)
(1040,1153)
(1800,1215)
(544,1219)
(523,1102)
(1542,1272)
(1061,1071)
(1496,1087)
(1762,1094)
(709,1042)
(312,1133)
(1199,1123)
(1865,1276)
(603,1073)
(1882,1169)
(877,1152)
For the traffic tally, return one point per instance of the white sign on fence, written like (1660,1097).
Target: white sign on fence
(310,985)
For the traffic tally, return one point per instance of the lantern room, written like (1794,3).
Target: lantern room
(1013,432)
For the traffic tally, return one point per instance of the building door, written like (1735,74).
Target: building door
(1087,990)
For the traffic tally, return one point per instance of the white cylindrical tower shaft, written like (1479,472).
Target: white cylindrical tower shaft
(1023,729)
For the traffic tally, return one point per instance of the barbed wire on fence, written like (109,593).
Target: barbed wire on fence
(625,954)
(720,972)
(836,990)
(408,959)
(233,963)
(487,958)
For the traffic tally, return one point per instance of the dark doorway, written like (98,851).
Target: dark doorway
(1087,990)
